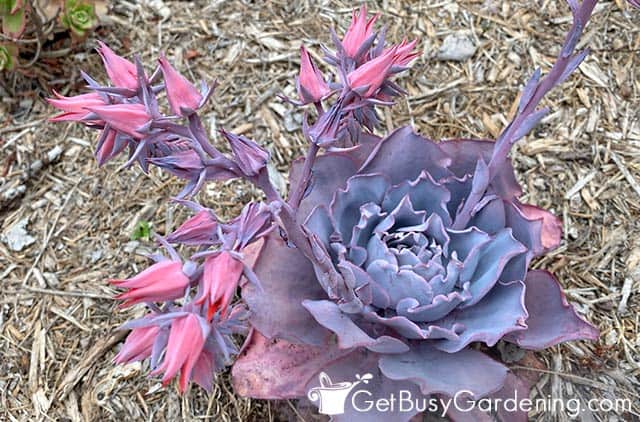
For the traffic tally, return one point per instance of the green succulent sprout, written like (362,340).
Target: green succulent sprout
(78,16)
(8,54)
(14,17)
(142,231)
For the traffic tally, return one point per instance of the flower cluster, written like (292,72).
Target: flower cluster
(195,294)
(191,331)
(392,255)
(362,67)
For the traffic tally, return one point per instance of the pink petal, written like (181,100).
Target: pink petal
(154,273)
(126,118)
(180,92)
(121,71)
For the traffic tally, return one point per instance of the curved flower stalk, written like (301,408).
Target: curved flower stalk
(393,256)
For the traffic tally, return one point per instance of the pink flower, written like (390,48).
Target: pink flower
(199,229)
(121,71)
(311,84)
(405,52)
(220,279)
(138,345)
(373,73)
(358,32)
(126,118)
(180,92)
(160,282)
(184,349)
(74,108)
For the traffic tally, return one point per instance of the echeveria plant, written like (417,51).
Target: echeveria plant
(393,255)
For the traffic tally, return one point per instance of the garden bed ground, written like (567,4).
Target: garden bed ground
(57,321)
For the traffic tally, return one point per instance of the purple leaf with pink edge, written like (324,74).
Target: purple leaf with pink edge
(552,319)
(438,372)
(360,363)
(551,235)
(287,279)
(514,388)
(499,312)
(276,369)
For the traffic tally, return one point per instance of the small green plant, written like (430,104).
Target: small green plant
(14,17)
(78,16)
(142,231)
(24,19)
(8,54)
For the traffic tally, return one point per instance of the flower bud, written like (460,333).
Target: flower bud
(74,108)
(250,157)
(121,71)
(359,31)
(311,84)
(127,118)
(181,93)
(160,282)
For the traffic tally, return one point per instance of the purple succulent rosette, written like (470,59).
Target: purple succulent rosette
(396,282)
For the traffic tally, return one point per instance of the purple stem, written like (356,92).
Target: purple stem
(198,132)
(513,132)
(298,191)
(503,145)
(296,195)
(287,215)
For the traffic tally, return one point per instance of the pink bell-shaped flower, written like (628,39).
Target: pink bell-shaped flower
(220,279)
(138,345)
(185,346)
(311,84)
(197,230)
(373,73)
(160,282)
(359,31)
(121,71)
(74,108)
(127,118)
(181,93)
